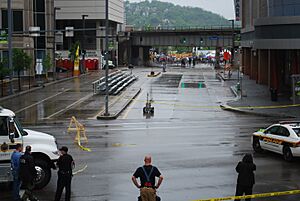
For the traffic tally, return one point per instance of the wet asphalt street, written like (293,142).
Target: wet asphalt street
(194,143)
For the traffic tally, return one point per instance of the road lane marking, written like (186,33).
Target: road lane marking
(80,170)
(155,128)
(69,106)
(39,102)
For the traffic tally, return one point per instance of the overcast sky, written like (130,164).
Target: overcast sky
(221,7)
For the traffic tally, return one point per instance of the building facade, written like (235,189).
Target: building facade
(29,13)
(91,16)
(270,42)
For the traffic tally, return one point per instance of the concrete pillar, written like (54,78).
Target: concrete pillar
(247,62)
(146,56)
(263,67)
(254,65)
(218,50)
(273,69)
(98,34)
(269,68)
(141,56)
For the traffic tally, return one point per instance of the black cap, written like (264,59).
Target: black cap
(28,149)
(64,148)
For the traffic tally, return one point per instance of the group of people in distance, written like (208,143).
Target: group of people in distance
(24,173)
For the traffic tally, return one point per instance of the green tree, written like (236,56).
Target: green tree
(4,71)
(47,64)
(140,14)
(21,61)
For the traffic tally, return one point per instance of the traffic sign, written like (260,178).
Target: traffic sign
(34,31)
(69,31)
(3,36)
(213,38)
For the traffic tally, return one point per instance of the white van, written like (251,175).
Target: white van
(44,148)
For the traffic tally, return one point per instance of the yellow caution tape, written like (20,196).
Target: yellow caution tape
(80,170)
(123,145)
(83,148)
(262,195)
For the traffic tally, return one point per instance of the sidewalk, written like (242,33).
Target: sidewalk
(256,99)
(119,104)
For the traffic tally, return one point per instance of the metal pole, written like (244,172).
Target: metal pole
(54,42)
(10,63)
(82,43)
(106,58)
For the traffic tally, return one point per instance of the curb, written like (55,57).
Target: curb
(115,116)
(37,88)
(232,109)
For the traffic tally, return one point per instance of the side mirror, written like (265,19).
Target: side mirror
(11,132)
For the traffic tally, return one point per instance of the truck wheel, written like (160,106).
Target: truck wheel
(43,173)
(287,154)
(256,145)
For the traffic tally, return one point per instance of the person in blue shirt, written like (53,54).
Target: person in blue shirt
(15,167)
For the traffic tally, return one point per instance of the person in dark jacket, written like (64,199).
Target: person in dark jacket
(246,179)
(65,166)
(28,174)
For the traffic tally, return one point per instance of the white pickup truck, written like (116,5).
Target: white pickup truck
(44,148)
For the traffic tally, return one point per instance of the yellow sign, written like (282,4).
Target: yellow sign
(76,62)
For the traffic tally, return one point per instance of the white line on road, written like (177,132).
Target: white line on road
(32,105)
(69,106)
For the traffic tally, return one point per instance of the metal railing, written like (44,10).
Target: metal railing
(184,28)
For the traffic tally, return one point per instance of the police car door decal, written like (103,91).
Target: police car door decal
(6,145)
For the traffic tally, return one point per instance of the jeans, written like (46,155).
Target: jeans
(29,186)
(16,187)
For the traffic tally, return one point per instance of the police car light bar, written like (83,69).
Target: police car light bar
(289,122)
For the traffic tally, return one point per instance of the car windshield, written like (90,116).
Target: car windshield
(297,131)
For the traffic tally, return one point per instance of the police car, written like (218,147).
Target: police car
(282,138)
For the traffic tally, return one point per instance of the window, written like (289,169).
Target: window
(40,21)
(284,8)
(272,130)
(3,126)
(297,131)
(17,20)
(39,5)
(283,132)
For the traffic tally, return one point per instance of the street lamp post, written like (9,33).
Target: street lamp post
(82,43)
(10,25)
(106,58)
(54,42)
(233,49)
